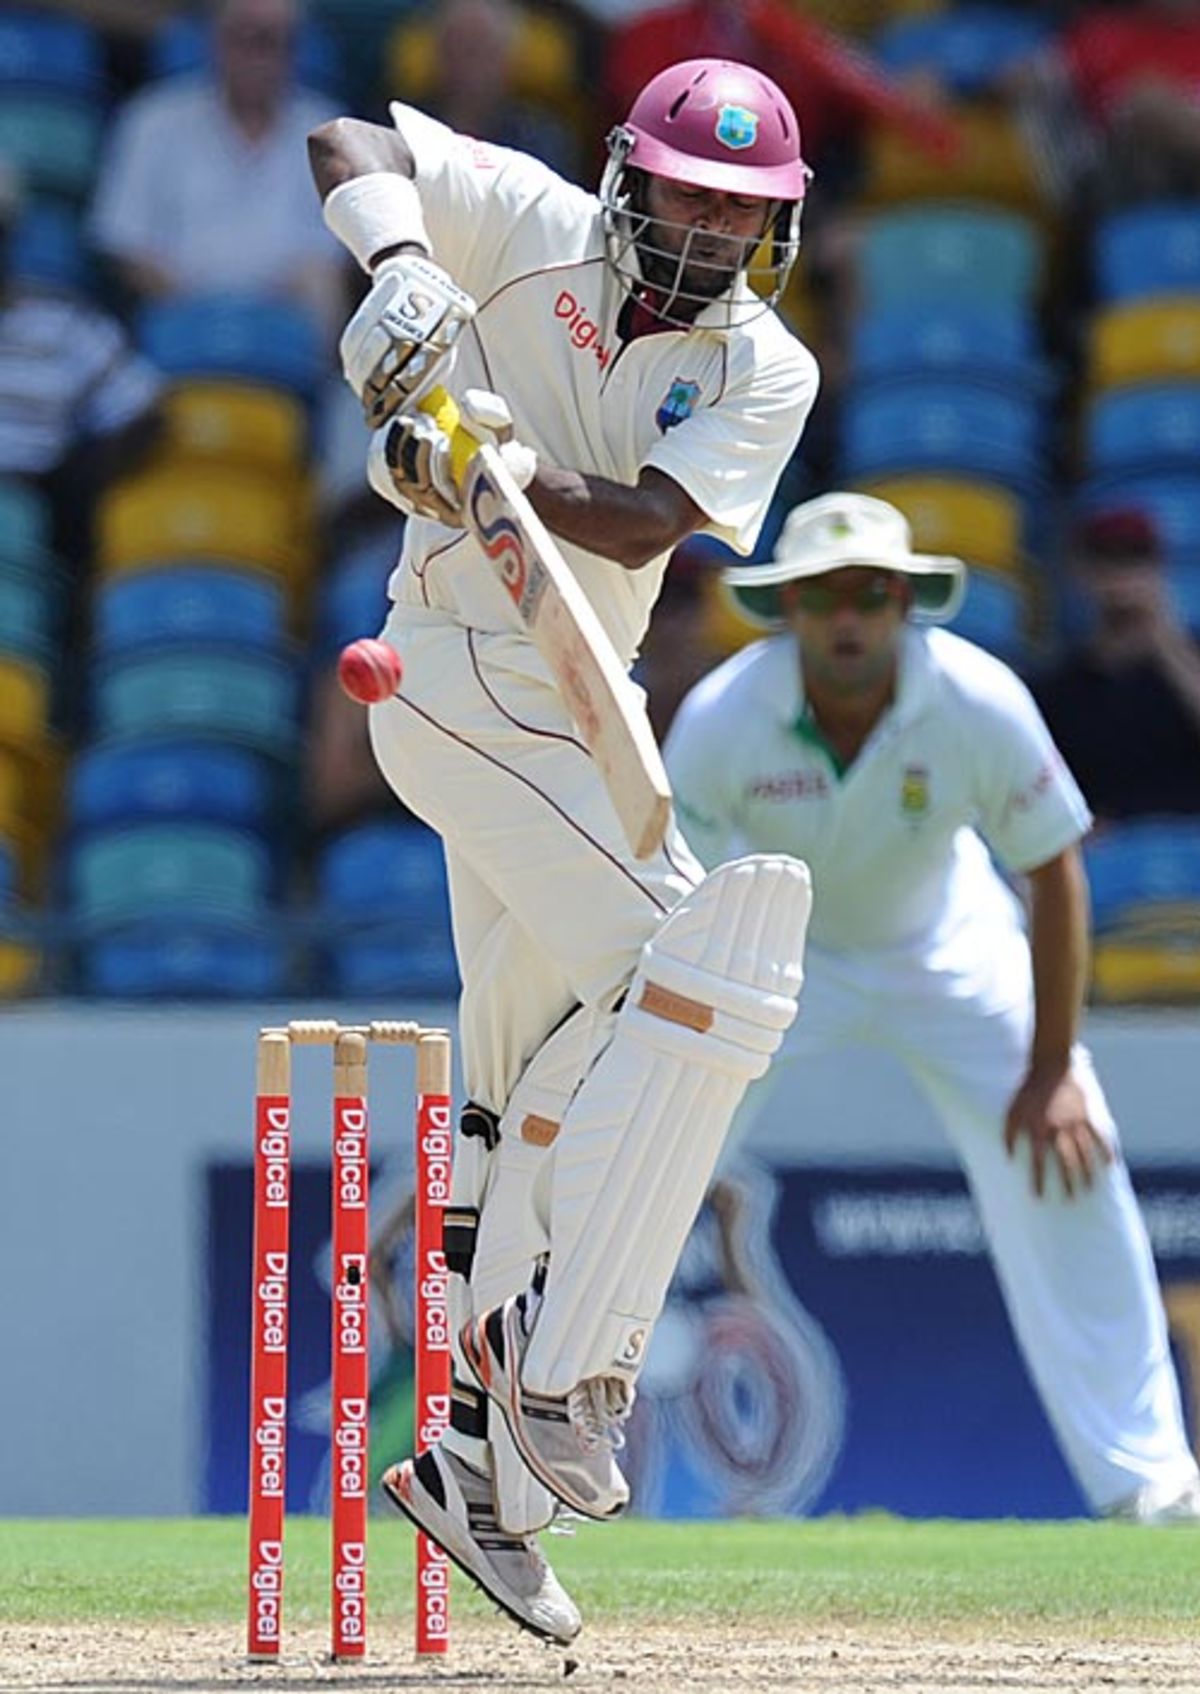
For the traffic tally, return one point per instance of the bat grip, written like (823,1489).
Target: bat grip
(443,408)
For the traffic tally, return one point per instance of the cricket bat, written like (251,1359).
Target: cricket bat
(566,631)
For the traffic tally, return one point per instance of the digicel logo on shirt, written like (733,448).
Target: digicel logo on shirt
(585,335)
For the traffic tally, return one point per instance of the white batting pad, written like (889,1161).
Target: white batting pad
(513,1234)
(712,997)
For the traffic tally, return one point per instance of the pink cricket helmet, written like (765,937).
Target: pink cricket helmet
(718,125)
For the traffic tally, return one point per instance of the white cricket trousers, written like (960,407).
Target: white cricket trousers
(1076,1274)
(550,908)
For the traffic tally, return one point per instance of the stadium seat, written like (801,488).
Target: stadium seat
(24,702)
(175,960)
(1149,341)
(963,257)
(988,343)
(955,428)
(131,783)
(968,48)
(384,906)
(19,969)
(993,165)
(51,141)
(1149,427)
(24,522)
(250,340)
(201,512)
(1139,972)
(1145,878)
(211,694)
(39,52)
(137,873)
(972,520)
(995,615)
(188,603)
(28,613)
(47,249)
(235,424)
(1147,251)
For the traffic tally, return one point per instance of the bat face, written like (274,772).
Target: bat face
(517,565)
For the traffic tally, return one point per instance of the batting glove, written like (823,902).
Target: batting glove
(400,338)
(419,461)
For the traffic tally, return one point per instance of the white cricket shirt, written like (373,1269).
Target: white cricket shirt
(720,411)
(893,843)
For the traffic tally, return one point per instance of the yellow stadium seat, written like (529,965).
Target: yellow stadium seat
(1150,341)
(235,424)
(543,70)
(1125,971)
(973,520)
(19,968)
(205,512)
(724,627)
(12,789)
(993,164)
(24,703)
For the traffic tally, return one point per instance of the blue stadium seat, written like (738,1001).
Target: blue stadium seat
(927,256)
(227,335)
(137,873)
(28,612)
(183,46)
(50,52)
(51,140)
(183,961)
(353,597)
(9,879)
(967,47)
(47,250)
(190,604)
(993,615)
(1145,875)
(995,343)
(24,522)
(957,428)
(1147,250)
(210,694)
(382,895)
(135,782)
(1149,427)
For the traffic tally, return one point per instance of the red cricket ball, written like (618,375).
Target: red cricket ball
(369,671)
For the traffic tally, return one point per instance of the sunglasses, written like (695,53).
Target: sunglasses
(823,598)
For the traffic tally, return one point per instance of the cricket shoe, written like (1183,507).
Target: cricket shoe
(453,1505)
(569,1444)
(1155,1504)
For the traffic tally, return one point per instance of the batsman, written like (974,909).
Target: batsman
(621,352)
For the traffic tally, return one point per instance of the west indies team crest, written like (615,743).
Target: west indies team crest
(737,127)
(678,404)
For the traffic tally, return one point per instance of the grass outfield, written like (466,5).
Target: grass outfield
(1107,1577)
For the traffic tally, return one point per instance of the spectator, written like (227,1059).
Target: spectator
(205,188)
(69,378)
(1116,102)
(1124,704)
(475,46)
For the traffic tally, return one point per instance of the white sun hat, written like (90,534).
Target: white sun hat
(837,530)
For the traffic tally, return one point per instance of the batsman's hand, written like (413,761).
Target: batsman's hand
(419,461)
(1051,1111)
(402,335)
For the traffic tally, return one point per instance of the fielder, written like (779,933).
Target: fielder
(887,755)
(613,1009)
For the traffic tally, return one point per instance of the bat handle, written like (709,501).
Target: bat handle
(443,408)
